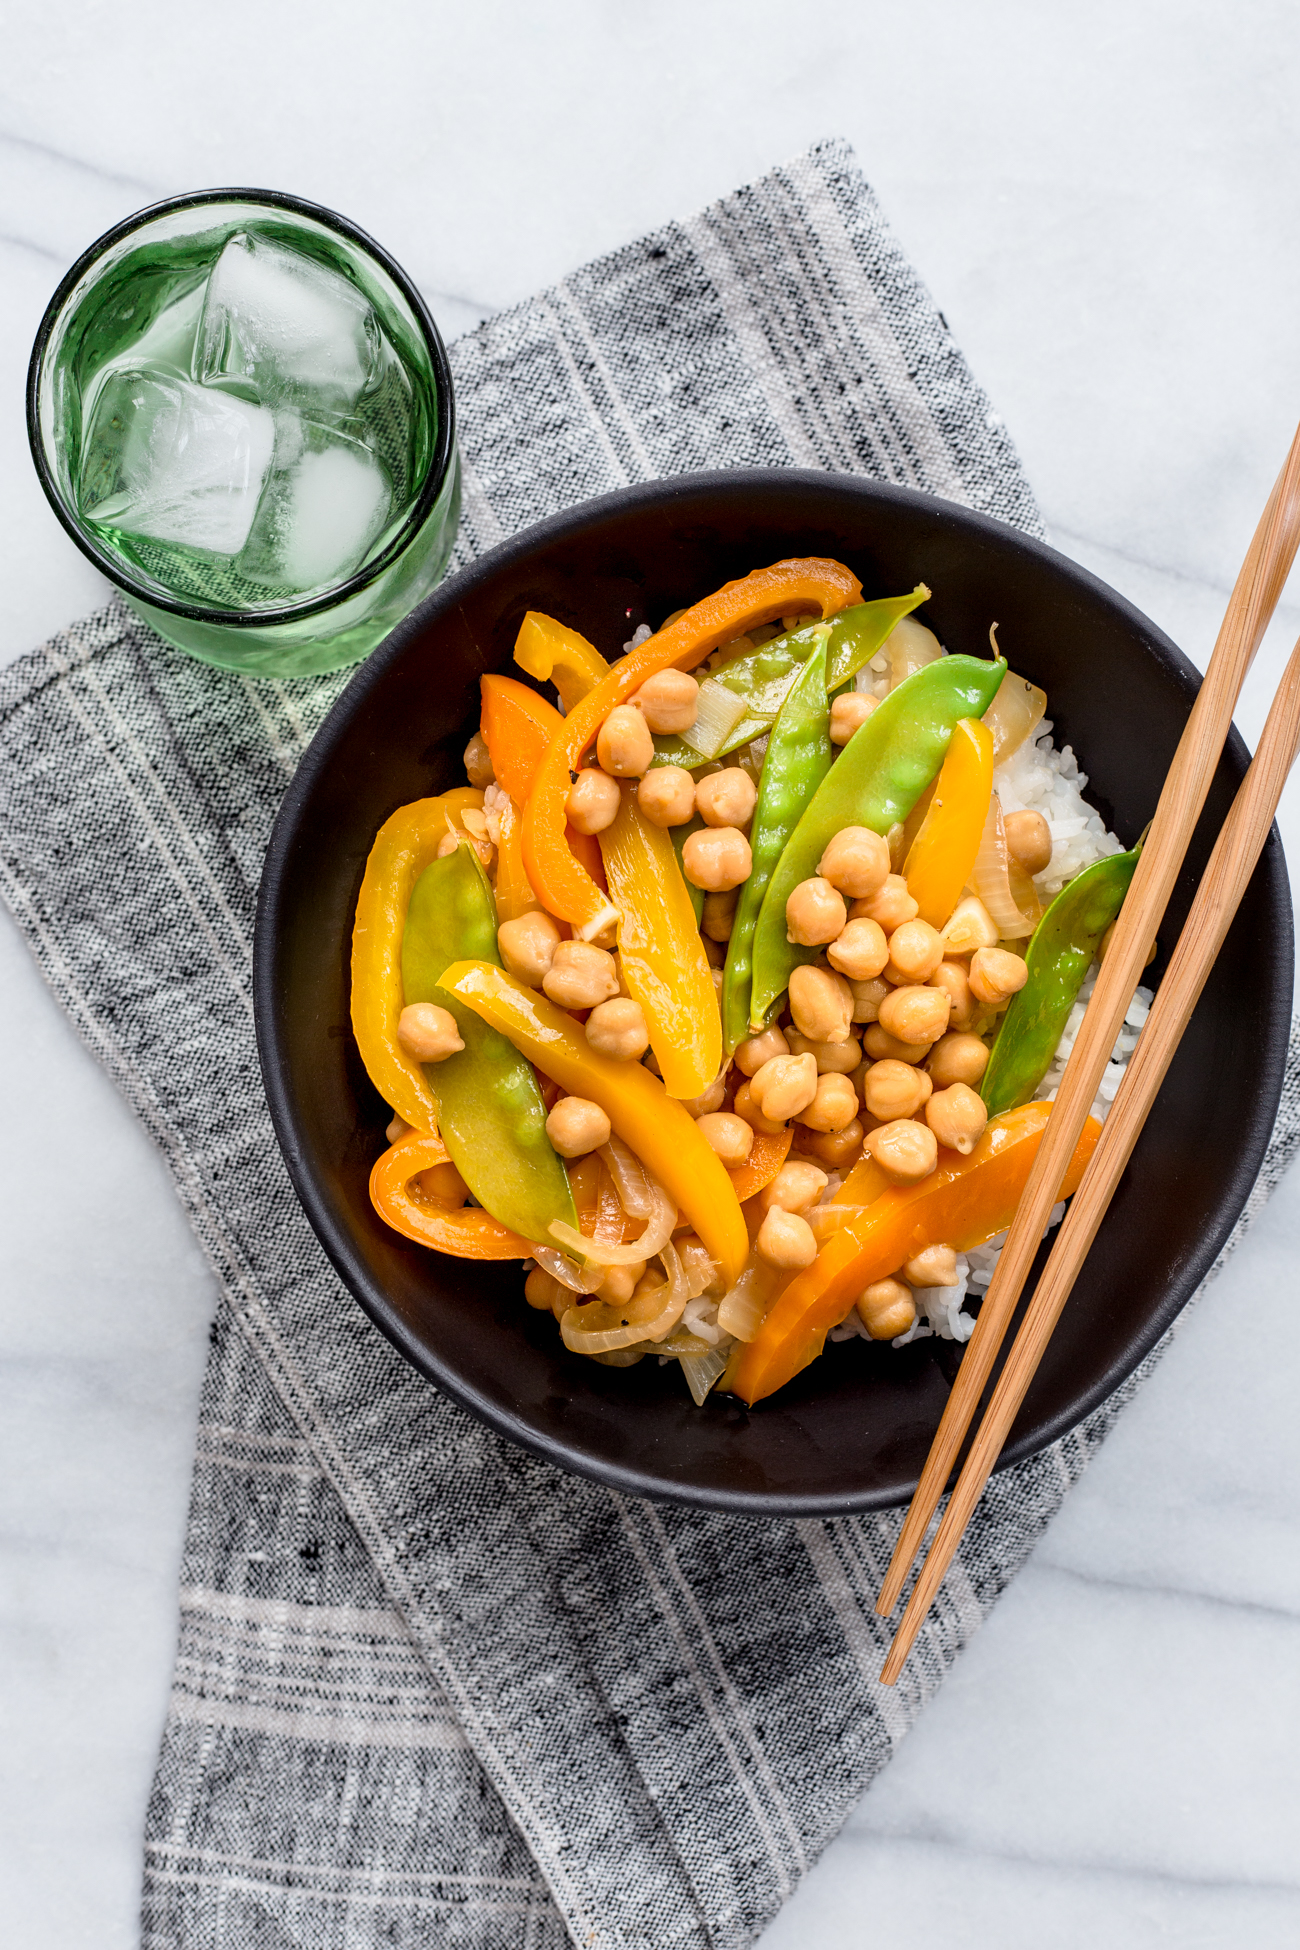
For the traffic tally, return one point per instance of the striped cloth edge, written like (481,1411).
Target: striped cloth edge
(428,1689)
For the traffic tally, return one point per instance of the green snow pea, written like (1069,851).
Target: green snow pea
(490,1110)
(876,780)
(763,677)
(798,757)
(1063,949)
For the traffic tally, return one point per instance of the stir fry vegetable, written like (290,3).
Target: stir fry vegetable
(718,999)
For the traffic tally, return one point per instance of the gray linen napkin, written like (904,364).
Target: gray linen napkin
(428,1690)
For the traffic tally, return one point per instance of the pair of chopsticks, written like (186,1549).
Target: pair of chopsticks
(1250,608)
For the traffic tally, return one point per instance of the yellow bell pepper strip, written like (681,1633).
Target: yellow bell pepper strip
(963,1203)
(514,890)
(403,848)
(660,950)
(518,726)
(655,1126)
(551,652)
(413,1208)
(943,852)
(762,1164)
(491,1115)
(563,888)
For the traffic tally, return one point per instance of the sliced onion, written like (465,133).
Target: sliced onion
(1014,714)
(742,1311)
(992,882)
(629,1174)
(600,1252)
(717,713)
(609,1210)
(910,646)
(701,1371)
(701,1270)
(561,1268)
(604,1325)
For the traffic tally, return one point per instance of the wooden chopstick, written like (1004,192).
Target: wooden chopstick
(1231,864)
(1251,605)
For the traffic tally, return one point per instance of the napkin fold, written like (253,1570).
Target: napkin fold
(428,1689)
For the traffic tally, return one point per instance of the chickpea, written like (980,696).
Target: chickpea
(593,801)
(834,1106)
(623,744)
(958,1059)
(860,951)
(892,1089)
(934,1266)
(878,1043)
(745,1105)
(715,953)
(1029,840)
(856,861)
(957,1117)
(669,700)
(785,1240)
(838,1149)
(450,841)
(814,913)
(529,944)
(754,1053)
(577,1126)
(618,1028)
(666,795)
(867,998)
(540,1290)
(821,1004)
(996,974)
(580,976)
(784,1086)
(842,1058)
(915,949)
(478,761)
(917,1014)
(905,1150)
(619,1283)
(717,859)
(886,1309)
(730,1136)
(726,798)
(970,927)
(719,915)
(428,1032)
(794,1189)
(708,1100)
(952,978)
(891,905)
(849,711)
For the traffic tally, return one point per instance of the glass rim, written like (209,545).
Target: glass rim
(435,478)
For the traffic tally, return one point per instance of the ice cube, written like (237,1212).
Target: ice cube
(327,501)
(175,462)
(281,321)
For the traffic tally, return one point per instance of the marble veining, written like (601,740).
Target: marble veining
(1100,202)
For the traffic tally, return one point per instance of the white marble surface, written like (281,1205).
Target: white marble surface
(1103,198)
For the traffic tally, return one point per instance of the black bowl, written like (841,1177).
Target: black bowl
(852,1431)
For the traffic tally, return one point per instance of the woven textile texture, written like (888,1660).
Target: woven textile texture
(428,1690)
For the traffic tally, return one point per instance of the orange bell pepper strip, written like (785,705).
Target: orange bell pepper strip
(550,651)
(513,889)
(942,856)
(662,1134)
(404,846)
(415,1210)
(784,588)
(518,726)
(963,1203)
(762,1164)
(660,949)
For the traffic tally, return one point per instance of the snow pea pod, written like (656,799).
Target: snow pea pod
(491,1116)
(1063,949)
(798,757)
(763,677)
(875,782)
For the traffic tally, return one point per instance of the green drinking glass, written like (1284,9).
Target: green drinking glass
(241,411)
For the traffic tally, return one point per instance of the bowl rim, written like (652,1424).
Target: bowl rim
(440,462)
(646,1481)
